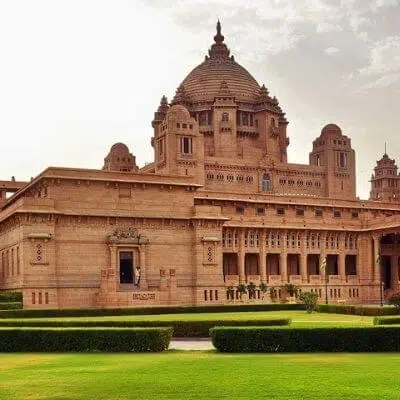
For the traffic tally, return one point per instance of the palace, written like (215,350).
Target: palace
(219,207)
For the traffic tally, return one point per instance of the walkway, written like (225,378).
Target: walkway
(191,344)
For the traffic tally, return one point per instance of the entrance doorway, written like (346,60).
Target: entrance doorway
(126,274)
(386,271)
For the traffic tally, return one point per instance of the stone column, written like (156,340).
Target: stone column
(377,259)
(303,257)
(241,255)
(263,258)
(283,259)
(143,275)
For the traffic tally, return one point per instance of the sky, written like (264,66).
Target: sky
(77,76)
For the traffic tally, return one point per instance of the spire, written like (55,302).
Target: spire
(219,48)
(385,148)
(218,38)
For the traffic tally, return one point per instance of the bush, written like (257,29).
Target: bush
(394,299)
(386,320)
(10,297)
(100,312)
(279,340)
(10,306)
(198,328)
(82,340)
(310,300)
(371,311)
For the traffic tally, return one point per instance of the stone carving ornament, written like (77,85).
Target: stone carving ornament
(129,235)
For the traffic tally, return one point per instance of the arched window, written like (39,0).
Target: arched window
(266,183)
(273,121)
(225,117)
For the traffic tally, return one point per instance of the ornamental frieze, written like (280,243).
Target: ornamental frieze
(130,236)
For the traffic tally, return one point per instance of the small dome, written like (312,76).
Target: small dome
(119,148)
(179,111)
(331,129)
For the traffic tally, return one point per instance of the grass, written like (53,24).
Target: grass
(199,375)
(299,318)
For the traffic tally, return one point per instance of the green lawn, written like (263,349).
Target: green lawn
(299,318)
(199,375)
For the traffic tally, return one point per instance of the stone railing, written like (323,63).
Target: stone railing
(253,278)
(274,279)
(335,279)
(316,279)
(353,279)
(295,279)
(231,280)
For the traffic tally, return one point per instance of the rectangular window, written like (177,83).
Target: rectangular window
(319,213)
(354,214)
(342,160)
(240,210)
(33,298)
(260,211)
(299,212)
(280,211)
(40,297)
(46,297)
(161,147)
(337,214)
(186,145)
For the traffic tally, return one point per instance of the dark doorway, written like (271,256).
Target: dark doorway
(332,264)
(386,272)
(230,264)
(126,267)
(313,264)
(251,264)
(351,264)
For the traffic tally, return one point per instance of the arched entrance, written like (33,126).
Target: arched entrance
(389,261)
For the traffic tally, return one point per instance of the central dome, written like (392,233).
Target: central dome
(204,82)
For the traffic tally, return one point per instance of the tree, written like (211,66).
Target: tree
(263,288)
(241,290)
(251,290)
(310,300)
(394,299)
(273,293)
(291,289)
(230,291)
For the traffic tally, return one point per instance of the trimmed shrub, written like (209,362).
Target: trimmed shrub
(198,328)
(99,312)
(280,340)
(394,299)
(370,311)
(10,297)
(310,300)
(10,306)
(386,320)
(83,340)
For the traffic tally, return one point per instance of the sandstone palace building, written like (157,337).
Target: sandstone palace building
(220,206)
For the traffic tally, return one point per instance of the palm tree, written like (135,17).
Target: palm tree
(263,288)
(251,289)
(241,290)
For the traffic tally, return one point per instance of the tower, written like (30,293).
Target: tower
(385,181)
(334,157)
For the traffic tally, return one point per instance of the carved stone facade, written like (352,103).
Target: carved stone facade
(220,206)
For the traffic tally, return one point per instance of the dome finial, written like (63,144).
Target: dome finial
(219,38)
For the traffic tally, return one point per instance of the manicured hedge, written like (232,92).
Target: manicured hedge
(84,339)
(11,306)
(357,310)
(198,328)
(10,297)
(97,312)
(387,320)
(280,340)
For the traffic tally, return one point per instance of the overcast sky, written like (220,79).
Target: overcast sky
(77,76)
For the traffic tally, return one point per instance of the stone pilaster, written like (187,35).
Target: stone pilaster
(283,259)
(143,273)
(303,258)
(241,256)
(263,257)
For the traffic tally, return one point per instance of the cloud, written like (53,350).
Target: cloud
(331,50)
